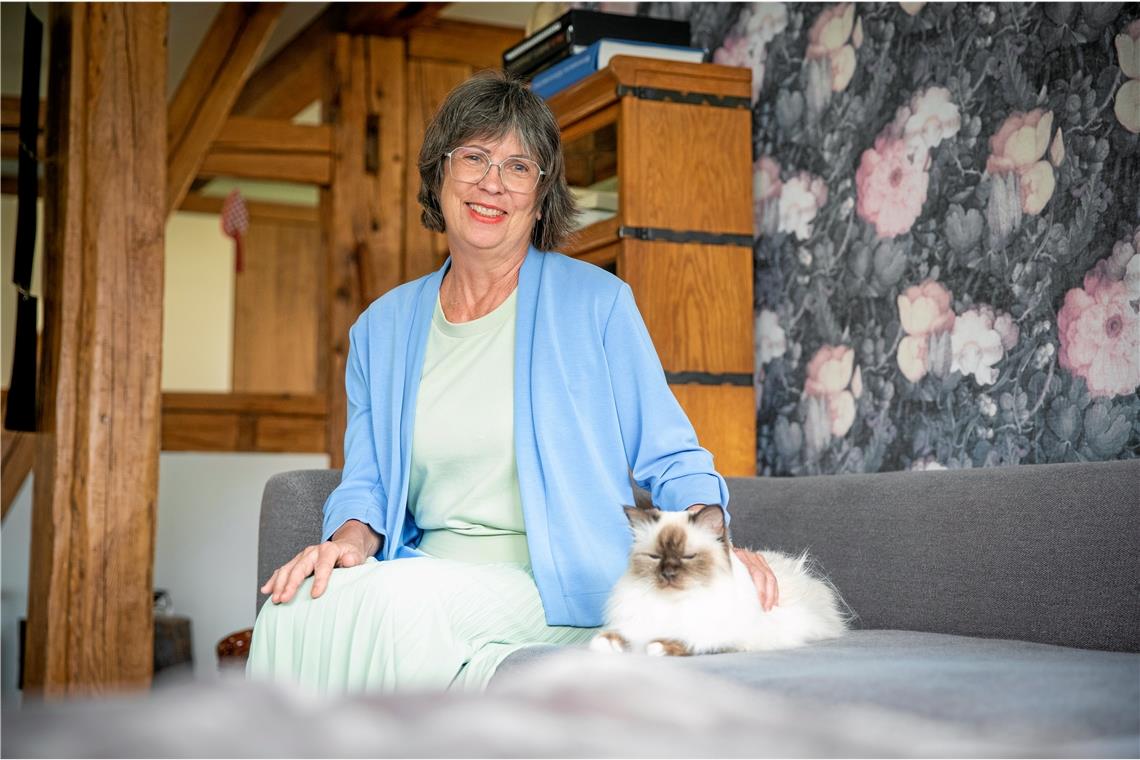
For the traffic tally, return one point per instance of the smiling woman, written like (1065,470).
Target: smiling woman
(497,411)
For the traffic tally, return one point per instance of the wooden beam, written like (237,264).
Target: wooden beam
(305,168)
(90,596)
(428,84)
(480,46)
(212,83)
(270,149)
(19,456)
(386,19)
(293,78)
(290,80)
(380,265)
(243,422)
(364,93)
(19,452)
(258,210)
(253,134)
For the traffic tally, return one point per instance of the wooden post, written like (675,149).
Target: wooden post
(90,620)
(362,209)
(429,82)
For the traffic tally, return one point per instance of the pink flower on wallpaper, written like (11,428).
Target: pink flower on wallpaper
(890,188)
(830,370)
(925,309)
(800,200)
(913,357)
(1100,338)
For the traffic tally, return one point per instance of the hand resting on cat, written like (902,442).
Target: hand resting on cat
(686,592)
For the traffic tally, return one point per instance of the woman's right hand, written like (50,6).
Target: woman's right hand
(352,543)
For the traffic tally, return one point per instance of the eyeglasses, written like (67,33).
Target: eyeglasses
(470,165)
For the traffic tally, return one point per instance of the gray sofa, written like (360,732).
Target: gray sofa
(998,616)
(1005,602)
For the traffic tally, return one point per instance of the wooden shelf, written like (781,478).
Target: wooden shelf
(597,243)
(685,165)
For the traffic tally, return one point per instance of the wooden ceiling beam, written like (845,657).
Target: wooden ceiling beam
(292,79)
(213,81)
(270,149)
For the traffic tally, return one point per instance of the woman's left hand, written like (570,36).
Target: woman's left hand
(762,576)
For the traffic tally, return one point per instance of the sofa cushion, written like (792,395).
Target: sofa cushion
(1089,700)
(1046,553)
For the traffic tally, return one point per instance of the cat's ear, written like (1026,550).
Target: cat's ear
(638,516)
(710,517)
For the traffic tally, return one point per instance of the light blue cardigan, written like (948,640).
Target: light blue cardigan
(591,405)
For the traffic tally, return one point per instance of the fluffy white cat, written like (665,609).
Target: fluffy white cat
(685,592)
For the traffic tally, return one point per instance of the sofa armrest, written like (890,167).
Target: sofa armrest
(291,512)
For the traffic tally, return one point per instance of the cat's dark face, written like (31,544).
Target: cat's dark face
(678,550)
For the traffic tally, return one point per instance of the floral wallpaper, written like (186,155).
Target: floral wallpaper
(947,210)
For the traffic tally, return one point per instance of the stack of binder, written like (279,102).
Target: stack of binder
(578,29)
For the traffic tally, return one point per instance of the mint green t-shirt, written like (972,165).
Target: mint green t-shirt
(464,485)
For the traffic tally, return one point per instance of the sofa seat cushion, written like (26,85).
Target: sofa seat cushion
(997,686)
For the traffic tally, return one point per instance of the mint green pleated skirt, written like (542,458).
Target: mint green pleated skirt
(408,624)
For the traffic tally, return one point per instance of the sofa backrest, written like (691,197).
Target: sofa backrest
(1045,553)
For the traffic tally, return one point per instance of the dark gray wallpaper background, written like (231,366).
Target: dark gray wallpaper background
(947,229)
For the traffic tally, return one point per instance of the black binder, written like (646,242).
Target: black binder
(581,27)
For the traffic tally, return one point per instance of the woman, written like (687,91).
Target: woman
(496,412)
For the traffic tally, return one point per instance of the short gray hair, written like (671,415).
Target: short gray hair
(490,105)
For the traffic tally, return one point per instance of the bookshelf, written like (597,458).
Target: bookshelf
(678,136)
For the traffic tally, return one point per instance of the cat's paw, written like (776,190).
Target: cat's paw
(609,642)
(666,648)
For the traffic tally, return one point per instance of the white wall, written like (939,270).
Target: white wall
(205,552)
(15,538)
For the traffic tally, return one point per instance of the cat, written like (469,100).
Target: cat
(685,592)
